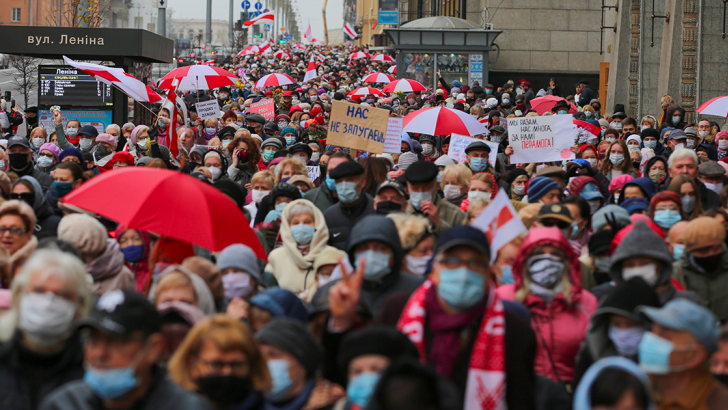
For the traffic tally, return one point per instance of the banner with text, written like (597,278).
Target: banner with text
(359,127)
(208,109)
(458,143)
(264,108)
(541,139)
(393,139)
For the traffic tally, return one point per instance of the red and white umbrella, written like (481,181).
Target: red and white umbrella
(378,78)
(359,54)
(548,102)
(250,50)
(405,85)
(282,54)
(715,106)
(443,121)
(274,80)
(382,58)
(209,62)
(364,91)
(392,69)
(119,78)
(199,77)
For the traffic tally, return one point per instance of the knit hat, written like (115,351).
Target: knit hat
(633,205)
(444,161)
(641,240)
(619,214)
(377,339)
(619,182)
(293,337)
(107,138)
(52,148)
(272,142)
(624,299)
(406,159)
(70,151)
(280,303)
(329,256)
(241,257)
(84,232)
(291,130)
(540,186)
(702,232)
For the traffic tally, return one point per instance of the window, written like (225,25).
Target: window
(16,14)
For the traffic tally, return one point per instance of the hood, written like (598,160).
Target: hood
(548,236)
(223,160)
(376,228)
(39,203)
(672,109)
(641,240)
(582,396)
(578,183)
(712,151)
(108,264)
(645,184)
(318,242)
(406,138)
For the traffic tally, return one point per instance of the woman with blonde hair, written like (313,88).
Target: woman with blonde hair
(221,360)
(455,180)
(288,168)
(418,242)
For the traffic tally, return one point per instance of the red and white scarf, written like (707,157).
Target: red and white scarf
(486,387)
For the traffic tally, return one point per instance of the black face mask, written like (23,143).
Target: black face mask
(388,207)
(32,121)
(18,161)
(225,390)
(708,263)
(323,170)
(636,164)
(101,151)
(723,378)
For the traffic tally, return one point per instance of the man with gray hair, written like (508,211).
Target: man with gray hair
(684,161)
(115,131)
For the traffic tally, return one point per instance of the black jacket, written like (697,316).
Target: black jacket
(341,219)
(708,198)
(47,220)
(43,179)
(585,96)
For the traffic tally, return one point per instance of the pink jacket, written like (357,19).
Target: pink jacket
(561,326)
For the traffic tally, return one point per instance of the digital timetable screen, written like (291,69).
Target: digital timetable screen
(68,86)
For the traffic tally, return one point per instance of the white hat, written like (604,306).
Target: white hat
(444,161)
(492,102)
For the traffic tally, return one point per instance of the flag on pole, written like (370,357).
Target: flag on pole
(376,24)
(310,71)
(265,18)
(500,223)
(175,104)
(307,35)
(349,30)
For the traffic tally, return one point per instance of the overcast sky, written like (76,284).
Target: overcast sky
(308,10)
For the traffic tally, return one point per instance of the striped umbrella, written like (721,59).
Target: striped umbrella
(443,121)
(274,80)
(124,81)
(359,54)
(378,78)
(392,69)
(364,91)
(198,77)
(282,54)
(382,58)
(406,86)
(715,106)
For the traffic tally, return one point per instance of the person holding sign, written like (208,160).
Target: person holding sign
(422,186)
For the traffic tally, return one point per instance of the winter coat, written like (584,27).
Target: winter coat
(712,287)
(140,269)
(585,96)
(109,271)
(43,179)
(450,215)
(242,175)
(582,396)
(560,326)
(26,382)
(47,222)
(292,270)
(667,120)
(708,198)
(341,219)
(322,196)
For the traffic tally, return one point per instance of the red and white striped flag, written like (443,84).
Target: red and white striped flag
(310,71)
(349,30)
(307,35)
(264,47)
(265,18)
(174,105)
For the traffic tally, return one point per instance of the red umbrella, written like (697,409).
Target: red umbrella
(443,121)
(547,102)
(405,85)
(168,203)
(378,78)
(198,77)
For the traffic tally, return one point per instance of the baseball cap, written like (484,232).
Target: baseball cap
(122,312)
(390,184)
(463,235)
(555,211)
(683,314)
(18,140)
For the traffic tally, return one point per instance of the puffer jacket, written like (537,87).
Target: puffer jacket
(560,326)
(710,286)
(341,219)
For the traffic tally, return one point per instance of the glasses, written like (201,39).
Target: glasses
(218,366)
(47,155)
(14,230)
(25,196)
(452,262)
(550,223)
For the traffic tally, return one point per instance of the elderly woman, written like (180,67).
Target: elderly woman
(304,235)
(455,183)
(261,186)
(216,163)
(140,146)
(47,157)
(38,136)
(178,284)
(104,261)
(136,246)
(221,360)
(290,134)
(17,221)
(49,296)
(481,185)
(288,168)
(418,242)
(244,153)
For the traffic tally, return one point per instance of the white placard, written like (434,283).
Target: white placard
(208,109)
(313,172)
(541,139)
(458,143)
(393,138)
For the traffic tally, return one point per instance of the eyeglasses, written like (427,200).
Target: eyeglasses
(452,262)
(14,230)
(47,155)
(550,223)
(25,196)
(218,366)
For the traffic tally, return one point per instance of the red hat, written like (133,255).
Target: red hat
(269,93)
(287,94)
(123,156)
(294,109)
(316,111)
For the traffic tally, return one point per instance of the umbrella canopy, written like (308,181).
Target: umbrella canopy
(121,79)
(715,106)
(383,58)
(359,54)
(405,85)
(274,80)
(198,77)
(378,78)
(443,121)
(392,69)
(168,203)
(547,102)
(364,91)
(282,54)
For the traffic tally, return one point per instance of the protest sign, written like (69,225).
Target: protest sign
(264,108)
(313,172)
(207,147)
(393,138)
(541,139)
(358,127)
(458,143)
(208,109)
(500,223)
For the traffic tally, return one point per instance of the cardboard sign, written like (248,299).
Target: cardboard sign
(266,108)
(500,223)
(313,172)
(358,127)
(393,138)
(541,139)
(458,143)
(208,109)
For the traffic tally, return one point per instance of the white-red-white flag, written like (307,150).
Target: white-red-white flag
(349,30)
(175,104)
(307,35)
(500,223)
(310,71)
(265,18)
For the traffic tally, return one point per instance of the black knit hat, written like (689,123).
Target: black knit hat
(287,190)
(377,339)
(624,299)
(293,337)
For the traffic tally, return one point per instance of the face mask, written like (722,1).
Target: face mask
(237,285)
(142,144)
(162,122)
(302,123)
(507,275)
(451,192)
(101,151)
(616,159)
(518,190)
(411,101)
(626,341)
(225,143)
(259,195)
(330,184)
(666,219)
(416,199)
(461,288)
(417,264)
(290,141)
(488,92)
(496,140)
(71,132)
(723,145)
(215,171)
(611,139)
(654,354)
(110,383)
(561,112)
(588,114)
(679,146)
(477,194)
(210,132)
(239,124)
(62,188)
(602,263)
(2,165)
(314,97)
(647,272)
(361,388)
(44,161)
(18,161)
(282,125)
(302,233)
(656,175)
(346,192)
(677,251)
(478,164)
(506,101)
(315,157)
(714,187)
(133,253)
(688,203)
(282,382)
(675,120)
(545,270)
(650,144)
(617,125)
(225,391)
(707,263)
(268,155)
(703,134)
(85,144)
(427,149)
(690,144)
(46,318)
(594,205)
(592,162)
(540,167)
(37,142)
(376,264)
(387,207)
(280,207)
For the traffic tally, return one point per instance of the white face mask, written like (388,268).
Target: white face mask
(703,134)
(215,171)
(417,265)
(679,146)
(592,162)
(142,143)
(714,187)
(46,318)
(37,142)
(478,194)
(315,157)
(723,145)
(451,191)
(647,272)
(259,195)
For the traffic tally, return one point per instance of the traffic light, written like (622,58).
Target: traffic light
(281,41)
(260,35)
(238,25)
(358,30)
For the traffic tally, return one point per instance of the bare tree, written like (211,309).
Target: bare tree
(26,77)
(78,13)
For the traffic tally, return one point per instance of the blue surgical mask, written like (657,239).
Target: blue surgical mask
(588,114)
(650,144)
(330,184)
(290,141)
(677,251)
(416,198)
(626,341)
(562,112)
(133,253)
(280,207)
(347,192)
(488,92)
(302,233)
(376,264)
(506,101)
(282,382)
(362,387)
(161,123)
(71,131)
(507,275)
(44,161)
(461,287)
(675,120)
(226,142)
(110,383)
(478,164)
(666,219)
(654,354)
(210,131)
(240,124)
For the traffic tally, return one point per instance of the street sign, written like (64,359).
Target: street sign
(161,4)
(246,5)
(258,6)
(266,27)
